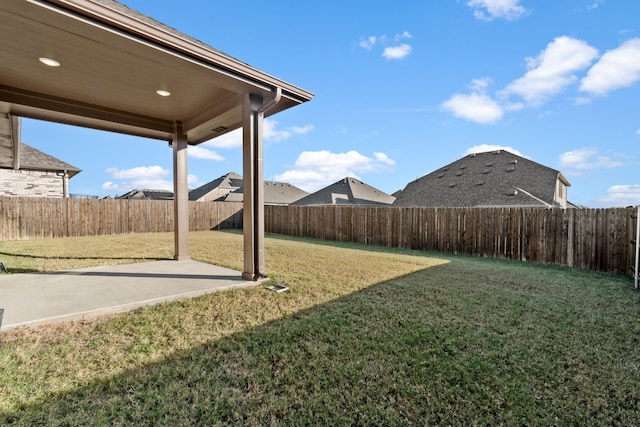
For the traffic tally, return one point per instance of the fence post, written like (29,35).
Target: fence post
(571,234)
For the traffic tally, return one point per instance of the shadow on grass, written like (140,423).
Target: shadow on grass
(425,348)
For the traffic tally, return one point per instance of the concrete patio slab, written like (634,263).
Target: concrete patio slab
(36,298)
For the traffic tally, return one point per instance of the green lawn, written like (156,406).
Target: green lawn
(366,336)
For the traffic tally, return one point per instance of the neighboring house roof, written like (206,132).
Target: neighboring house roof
(147,195)
(497,178)
(224,185)
(282,193)
(275,193)
(34,159)
(347,191)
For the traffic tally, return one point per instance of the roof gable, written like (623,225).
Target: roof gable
(147,194)
(347,191)
(282,193)
(497,178)
(228,182)
(275,193)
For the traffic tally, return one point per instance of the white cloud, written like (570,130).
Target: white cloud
(638,132)
(301,130)
(141,177)
(367,43)
(582,100)
(576,162)
(595,4)
(232,139)
(480,85)
(406,35)
(552,70)
(488,10)
(193,181)
(383,158)
(616,69)
(621,195)
(316,169)
(199,152)
(109,186)
(272,133)
(145,172)
(549,73)
(475,107)
(483,148)
(397,52)
(392,48)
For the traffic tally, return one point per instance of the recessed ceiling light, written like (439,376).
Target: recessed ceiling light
(49,62)
(162,92)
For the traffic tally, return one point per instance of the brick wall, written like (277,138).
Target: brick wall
(30,183)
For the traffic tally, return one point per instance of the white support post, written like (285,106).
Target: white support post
(180,194)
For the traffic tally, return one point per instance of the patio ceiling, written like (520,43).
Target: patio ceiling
(113,61)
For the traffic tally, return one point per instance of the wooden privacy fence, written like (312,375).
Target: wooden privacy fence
(597,239)
(32,218)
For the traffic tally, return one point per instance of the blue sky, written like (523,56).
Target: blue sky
(401,89)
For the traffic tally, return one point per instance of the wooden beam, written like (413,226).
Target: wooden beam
(49,105)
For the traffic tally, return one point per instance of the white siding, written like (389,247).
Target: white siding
(561,194)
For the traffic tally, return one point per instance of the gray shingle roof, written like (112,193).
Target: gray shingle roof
(497,178)
(282,193)
(147,195)
(228,182)
(275,193)
(347,191)
(34,159)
